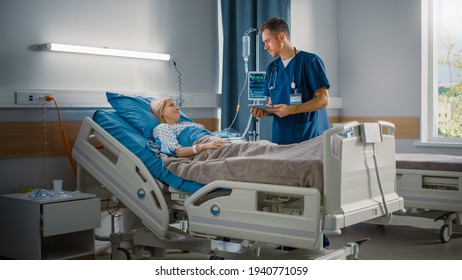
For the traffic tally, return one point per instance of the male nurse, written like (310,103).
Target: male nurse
(297,86)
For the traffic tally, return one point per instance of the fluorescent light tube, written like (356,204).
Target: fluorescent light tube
(103,51)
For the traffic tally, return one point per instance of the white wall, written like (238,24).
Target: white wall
(147,25)
(314,29)
(379,51)
(380,62)
(185,29)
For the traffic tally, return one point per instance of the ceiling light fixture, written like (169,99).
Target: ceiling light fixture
(103,51)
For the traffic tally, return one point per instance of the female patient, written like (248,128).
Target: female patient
(170,130)
(189,139)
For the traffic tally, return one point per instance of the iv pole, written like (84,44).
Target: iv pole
(257,60)
(257,63)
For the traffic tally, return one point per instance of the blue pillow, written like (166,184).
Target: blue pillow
(132,139)
(136,110)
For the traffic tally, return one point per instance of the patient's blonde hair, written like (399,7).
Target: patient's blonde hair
(157,107)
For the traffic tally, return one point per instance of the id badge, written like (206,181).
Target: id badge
(296,97)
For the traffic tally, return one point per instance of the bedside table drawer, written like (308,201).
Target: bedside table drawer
(70,216)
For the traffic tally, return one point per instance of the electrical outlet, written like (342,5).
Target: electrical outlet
(31,97)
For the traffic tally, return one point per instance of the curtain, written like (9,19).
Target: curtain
(238,17)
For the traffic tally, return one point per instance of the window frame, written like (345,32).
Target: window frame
(429,82)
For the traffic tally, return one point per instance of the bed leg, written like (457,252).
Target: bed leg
(354,249)
(116,238)
(446,228)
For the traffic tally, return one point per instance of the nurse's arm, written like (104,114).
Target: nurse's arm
(320,101)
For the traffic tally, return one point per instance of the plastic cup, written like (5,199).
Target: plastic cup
(58,185)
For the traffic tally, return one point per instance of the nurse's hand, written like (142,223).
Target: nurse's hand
(259,113)
(280,110)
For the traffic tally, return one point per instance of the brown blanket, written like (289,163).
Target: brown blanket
(259,162)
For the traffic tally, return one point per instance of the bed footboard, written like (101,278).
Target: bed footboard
(123,174)
(359,174)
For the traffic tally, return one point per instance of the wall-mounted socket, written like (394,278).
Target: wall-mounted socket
(31,97)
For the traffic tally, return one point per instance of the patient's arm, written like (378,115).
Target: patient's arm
(184,152)
(189,151)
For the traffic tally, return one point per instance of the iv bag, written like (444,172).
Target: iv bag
(246,47)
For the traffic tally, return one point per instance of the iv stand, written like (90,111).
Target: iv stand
(257,60)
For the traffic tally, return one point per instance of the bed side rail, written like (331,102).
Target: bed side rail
(430,189)
(265,213)
(123,174)
(359,174)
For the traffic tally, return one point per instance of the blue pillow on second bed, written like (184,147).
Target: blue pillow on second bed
(134,140)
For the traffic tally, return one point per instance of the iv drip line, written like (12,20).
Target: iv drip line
(245,55)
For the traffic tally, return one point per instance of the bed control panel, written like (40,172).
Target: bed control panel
(282,204)
(371,132)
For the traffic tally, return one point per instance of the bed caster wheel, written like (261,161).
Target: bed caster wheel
(121,254)
(175,216)
(445,235)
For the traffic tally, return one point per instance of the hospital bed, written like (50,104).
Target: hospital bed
(431,185)
(240,220)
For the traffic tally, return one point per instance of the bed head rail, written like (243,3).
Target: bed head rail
(123,174)
(359,174)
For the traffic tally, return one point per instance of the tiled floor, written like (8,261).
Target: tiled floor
(407,238)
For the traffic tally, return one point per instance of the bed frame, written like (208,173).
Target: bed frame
(239,220)
(431,186)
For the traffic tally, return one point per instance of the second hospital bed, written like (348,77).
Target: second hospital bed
(242,220)
(431,185)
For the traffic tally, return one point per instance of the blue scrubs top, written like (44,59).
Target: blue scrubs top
(310,75)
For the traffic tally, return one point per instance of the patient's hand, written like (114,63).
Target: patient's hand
(215,144)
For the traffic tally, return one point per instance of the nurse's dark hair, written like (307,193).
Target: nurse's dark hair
(276,26)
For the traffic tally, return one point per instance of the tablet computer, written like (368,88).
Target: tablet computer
(264,107)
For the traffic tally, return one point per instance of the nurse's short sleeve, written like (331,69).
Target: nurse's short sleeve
(316,72)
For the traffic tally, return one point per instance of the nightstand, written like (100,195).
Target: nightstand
(56,228)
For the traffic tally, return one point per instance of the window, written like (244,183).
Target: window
(442,72)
